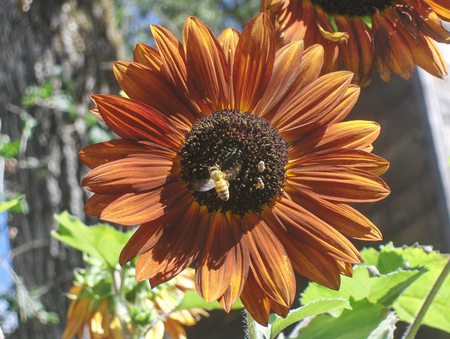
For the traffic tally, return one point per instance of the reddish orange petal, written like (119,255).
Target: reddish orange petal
(311,107)
(253,64)
(310,67)
(133,120)
(137,208)
(177,248)
(98,202)
(229,39)
(239,275)
(208,69)
(306,227)
(427,55)
(441,7)
(145,237)
(270,263)
(311,263)
(104,152)
(346,105)
(147,56)
(135,173)
(339,183)
(343,218)
(353,159)
(285,72)
(222,260)
(149,87)
(172,55)
(134,208)
(255,301)
(358,135)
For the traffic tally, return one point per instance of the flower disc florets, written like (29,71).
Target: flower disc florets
(247,149)
(352,7)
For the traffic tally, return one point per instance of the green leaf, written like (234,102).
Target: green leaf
(102,241)
(358,323)
(382,289)
(9,149)
(7,205)
(314,308)
(386,328)
(413,297)
(192,299)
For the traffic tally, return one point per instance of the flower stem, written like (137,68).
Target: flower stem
(252,333)
(255,330)
(415,325)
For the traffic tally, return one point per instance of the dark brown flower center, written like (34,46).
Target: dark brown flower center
(353,7)
(234,162)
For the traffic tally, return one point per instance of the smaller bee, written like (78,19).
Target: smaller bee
(218,179)
(261,166)
(259,183)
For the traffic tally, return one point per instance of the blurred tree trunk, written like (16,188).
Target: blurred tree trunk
(73,43)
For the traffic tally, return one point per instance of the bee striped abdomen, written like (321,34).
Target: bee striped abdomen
(222,189)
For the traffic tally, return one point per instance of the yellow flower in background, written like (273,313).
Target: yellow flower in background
(233,157)
(391,36)
(96,314)
(87,313)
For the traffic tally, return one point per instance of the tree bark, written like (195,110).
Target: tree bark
(72,43)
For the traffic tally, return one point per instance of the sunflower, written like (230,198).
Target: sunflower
(391,36)
(233,158)
(86,311)
(95,312)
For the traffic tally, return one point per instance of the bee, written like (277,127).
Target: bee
(259,183)
(261,166)
(219,180)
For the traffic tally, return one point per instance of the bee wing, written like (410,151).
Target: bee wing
(232,172)
(203,185)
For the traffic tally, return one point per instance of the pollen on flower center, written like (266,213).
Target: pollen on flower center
(353,7)
(249,152)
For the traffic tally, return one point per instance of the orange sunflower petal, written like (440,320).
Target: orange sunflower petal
(98,202)
(104,152)
(221,260)
(145,237)
(343,218)
(311,107)
(149,87)
(256,301)
(147,56)
(135,173)
(229,39)
(350,158)
(305,226)
(255,54)
(177,248)
(358,135)
(270,263)
(209,72)
(285,72)
(131,119)
(441,7)
(339,183)
(311,263)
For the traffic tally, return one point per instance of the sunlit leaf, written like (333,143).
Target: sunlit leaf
(314,308)
(407,306)
(101,241)
(386,328)
(358,323)
(7,205)
(382,289)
